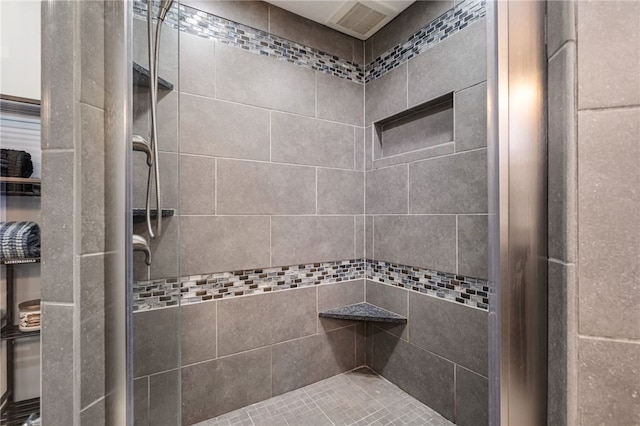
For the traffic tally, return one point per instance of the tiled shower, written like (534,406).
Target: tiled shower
(308,170)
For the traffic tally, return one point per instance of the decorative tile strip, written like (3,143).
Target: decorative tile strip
(449,23)
(456,288)
(199,288)
(197,22)
(203,24)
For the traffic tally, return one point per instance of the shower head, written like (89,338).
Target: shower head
(165,5)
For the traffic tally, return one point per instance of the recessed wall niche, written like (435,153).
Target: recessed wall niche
(422,127)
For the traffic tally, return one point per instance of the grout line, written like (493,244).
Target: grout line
(215,188)
(270,241)
(455,388)
(457,247)
(315,98)
(217,346)
(408,188)
(355,138)
(614,108)
(355,237)
(316,214)
(187,95)
(608,339)
(261,161)
(270,134)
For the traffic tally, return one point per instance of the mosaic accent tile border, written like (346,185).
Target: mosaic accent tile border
(449,23)
(223,285)
(197,22)
(456,288)
(162,293)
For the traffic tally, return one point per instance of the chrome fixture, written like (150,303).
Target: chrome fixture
(140,244)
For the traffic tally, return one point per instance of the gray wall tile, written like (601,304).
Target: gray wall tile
(91,51)
(167,117)
(361,343)
(56,346)
(57,201)
(168,180)
(358,52)
(615,56)
(368,148)
(336,295)
(561,24)
(216,128)
(197,185)
(471,118)
(415,17)
(251,322)
(453,331)
(92,327)
(562,346)
(340,191)
(416,371)
(421,154)
(164,398)
(57,65)
(164,262)
(426,241)
(240,243)
(169,57)
(386,190)
(252,13)
(305,239)
(198,337)
(386,95)
(360,237)
(245,379)
(141,401)
(608,382)
(247,187)
(392,298)
(368,236)
(294,27)
(156,341)
(472,398)
(94,415)
(451,184)
(453,64)
(609,217)
(387,297)
(197,65)
(279,85)
(340,99)
(302,140)
(360,149)
(473,245)
(332,353)
(417,131)
(92,174)
(562,157)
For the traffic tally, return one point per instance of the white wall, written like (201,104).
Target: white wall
(20,48)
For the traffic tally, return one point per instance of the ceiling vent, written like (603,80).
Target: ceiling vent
(361,19)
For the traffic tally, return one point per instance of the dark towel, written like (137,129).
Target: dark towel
(20,240)
(16,163)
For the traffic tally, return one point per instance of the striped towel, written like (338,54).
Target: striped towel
(19,240)
(16,163)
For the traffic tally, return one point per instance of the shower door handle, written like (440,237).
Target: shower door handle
(140,244)
(142,145)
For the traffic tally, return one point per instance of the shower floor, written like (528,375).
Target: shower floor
(359,397)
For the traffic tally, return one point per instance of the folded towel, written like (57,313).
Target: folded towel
(19,240)
(16,163)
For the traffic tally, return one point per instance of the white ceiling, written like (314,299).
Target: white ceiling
(329,12)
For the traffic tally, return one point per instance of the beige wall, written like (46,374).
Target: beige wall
(594,219)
